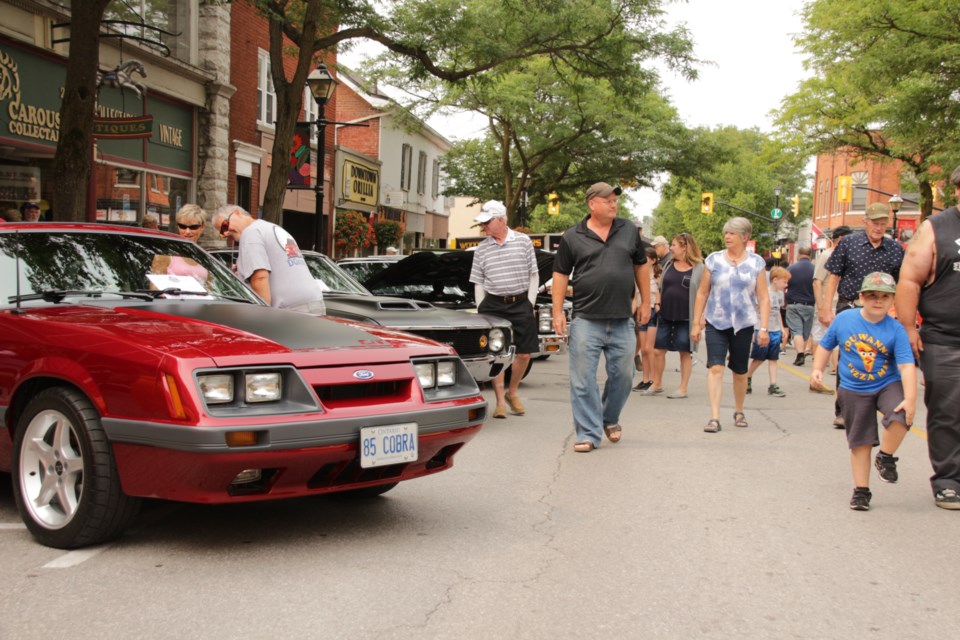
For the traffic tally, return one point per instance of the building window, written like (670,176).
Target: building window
(266,95)
(422,173)
(243,192)
(435,187)
(178,17)
(406,168)
(858,201)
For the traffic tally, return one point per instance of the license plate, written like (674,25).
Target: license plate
(388,444)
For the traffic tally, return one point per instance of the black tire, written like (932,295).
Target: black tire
(65,480)
(508,372)
(366,492)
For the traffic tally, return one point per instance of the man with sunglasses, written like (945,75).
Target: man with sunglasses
(506,278)
(270,261)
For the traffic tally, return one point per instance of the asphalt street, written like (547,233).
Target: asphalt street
(672,533)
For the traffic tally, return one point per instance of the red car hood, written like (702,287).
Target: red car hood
(230,332)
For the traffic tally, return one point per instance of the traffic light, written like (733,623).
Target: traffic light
(553,204)
(706,203)
(844,188)
(796,205)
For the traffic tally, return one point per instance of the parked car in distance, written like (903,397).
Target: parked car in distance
(443,278)
(484,343)
(136,365)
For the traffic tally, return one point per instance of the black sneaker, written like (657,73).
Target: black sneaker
(775,390)
(800,360)
(749,385)
(887,467)
(643,386)
(861,500)
(947,499)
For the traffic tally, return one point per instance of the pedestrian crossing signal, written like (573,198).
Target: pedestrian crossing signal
(706,203)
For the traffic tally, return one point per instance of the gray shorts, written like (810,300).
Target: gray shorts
(859,412)
(800,319)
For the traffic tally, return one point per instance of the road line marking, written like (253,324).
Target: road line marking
(800,374)
(12,526)
(73,558)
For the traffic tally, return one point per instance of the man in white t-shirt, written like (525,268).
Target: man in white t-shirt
(270,261)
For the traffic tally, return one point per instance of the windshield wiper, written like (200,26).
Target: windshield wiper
(153,294)
(57,295)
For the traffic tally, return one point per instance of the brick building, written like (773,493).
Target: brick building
(873,180)
(390,168)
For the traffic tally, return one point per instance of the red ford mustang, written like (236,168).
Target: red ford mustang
(136,365)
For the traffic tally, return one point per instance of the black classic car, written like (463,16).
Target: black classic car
(443,278)
(484,343)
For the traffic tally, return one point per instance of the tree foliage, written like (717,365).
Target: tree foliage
(440,44)
(741,167)
(886,84)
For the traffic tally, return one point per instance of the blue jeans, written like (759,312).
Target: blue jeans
(615,339)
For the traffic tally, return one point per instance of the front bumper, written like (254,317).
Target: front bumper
(550,344)
(488,367)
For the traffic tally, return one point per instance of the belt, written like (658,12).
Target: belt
(508,299)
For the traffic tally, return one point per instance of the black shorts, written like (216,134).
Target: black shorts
(724,342)
(520,316)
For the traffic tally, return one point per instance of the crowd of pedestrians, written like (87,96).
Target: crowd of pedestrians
(839,310)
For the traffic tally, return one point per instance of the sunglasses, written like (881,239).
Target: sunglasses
(192,227)
(225,225)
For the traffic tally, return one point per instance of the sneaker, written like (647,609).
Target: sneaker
(861,499)
(651,391)
(887,467)
(838,423)
(643,386)
(638,362)
(800,360)
(775,390)
(947,499)
(749,385)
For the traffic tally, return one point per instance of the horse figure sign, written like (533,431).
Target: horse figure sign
(122,77)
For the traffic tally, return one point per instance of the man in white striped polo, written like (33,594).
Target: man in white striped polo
(506,279)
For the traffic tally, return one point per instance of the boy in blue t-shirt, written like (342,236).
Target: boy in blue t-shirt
(874,353)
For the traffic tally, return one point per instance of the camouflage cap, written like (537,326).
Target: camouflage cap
(879,281)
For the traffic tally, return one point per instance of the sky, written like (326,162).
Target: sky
(752,65)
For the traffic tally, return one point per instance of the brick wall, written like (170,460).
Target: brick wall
(350,106)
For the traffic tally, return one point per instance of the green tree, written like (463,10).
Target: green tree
(887,77)
(452,41)
(741,167)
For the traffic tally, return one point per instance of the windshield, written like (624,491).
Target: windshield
(332,277)
(105,261)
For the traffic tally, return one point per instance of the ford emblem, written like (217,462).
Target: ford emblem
(363,374)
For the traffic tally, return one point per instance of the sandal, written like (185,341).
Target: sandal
(613,432)
(583,447)
(739,420)
(713,426)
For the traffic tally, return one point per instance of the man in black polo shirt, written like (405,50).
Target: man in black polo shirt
(800,303)
(931,284)
(601,252)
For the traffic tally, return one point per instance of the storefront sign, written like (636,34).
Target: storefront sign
(361,182)
(123,128)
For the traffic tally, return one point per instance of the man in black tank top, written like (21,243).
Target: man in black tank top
(930,283)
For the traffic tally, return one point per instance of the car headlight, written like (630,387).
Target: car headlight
(442,373)
(545,318)
(216,388)
(496,340)
(262,387)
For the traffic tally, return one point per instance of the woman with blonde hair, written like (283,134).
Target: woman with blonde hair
(191,222)
(678,293)
(731,301)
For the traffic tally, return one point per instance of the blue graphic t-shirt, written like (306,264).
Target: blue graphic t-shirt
(733,291)
(869,351)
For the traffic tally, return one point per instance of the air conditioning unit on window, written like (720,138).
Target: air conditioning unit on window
(393,198)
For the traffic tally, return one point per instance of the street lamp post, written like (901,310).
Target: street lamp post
(895,202)
(322,85)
